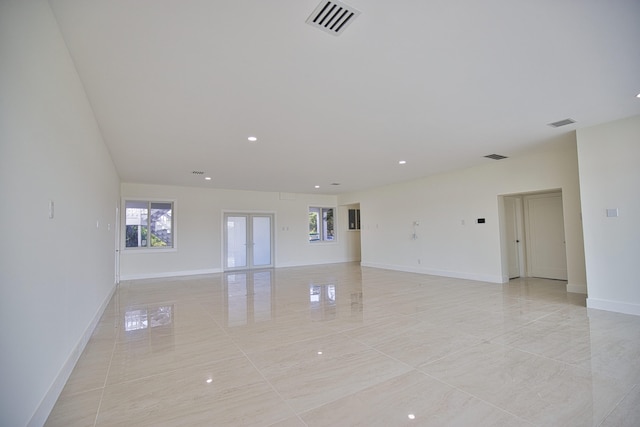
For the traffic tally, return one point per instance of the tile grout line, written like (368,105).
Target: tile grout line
(617,404)
(271,385)
(477,397)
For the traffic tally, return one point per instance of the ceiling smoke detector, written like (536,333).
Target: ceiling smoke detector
(332,17)
(562,123)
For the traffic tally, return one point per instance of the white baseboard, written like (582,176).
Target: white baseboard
(577,288)
(324,262)
(169,274)
(49,400)
(618,307)
(442,273)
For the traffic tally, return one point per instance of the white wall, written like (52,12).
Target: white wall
(440,203)
(56,275)
(609,159)
(198,216)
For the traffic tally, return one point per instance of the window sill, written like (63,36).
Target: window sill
(147,250)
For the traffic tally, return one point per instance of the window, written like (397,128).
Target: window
(321,225)
(148,224)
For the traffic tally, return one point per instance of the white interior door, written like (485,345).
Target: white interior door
(546,251)
(248,241)
(514,240)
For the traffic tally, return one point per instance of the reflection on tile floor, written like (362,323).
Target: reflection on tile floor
(343,345)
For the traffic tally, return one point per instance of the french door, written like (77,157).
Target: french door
(248,241)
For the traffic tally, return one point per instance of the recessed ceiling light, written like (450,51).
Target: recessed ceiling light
(402,162)
(638,95)
(252,139)
(317,186)
(208,178)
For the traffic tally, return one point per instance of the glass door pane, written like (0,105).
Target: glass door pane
(236,242)
(261,240)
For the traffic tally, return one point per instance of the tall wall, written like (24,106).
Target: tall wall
(199,233)
(441,203)
(56,275)
(609,159)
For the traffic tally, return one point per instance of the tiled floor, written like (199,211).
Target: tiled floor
(340,345)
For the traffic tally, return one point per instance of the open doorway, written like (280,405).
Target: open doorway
(533,240)
(352,214)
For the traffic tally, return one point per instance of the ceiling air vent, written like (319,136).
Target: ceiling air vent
(495,156)
(332,17)
(198,172)
(562,123)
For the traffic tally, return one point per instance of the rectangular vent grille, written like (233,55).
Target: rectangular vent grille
(332,17)
(495,156)
(562,123)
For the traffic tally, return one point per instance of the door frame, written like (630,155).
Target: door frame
(520,235)
(249,215)
(524,268)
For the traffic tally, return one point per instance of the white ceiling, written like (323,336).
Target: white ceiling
(179,85)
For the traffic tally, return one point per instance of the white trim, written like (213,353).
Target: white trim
(577,288)
(323,262)
(51,396)
(618,307)
(442,273)
(155,250)
(170,274)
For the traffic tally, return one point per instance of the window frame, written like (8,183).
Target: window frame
(149,248)
(322,232)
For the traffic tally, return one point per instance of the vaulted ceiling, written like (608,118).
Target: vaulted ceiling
(178,86)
